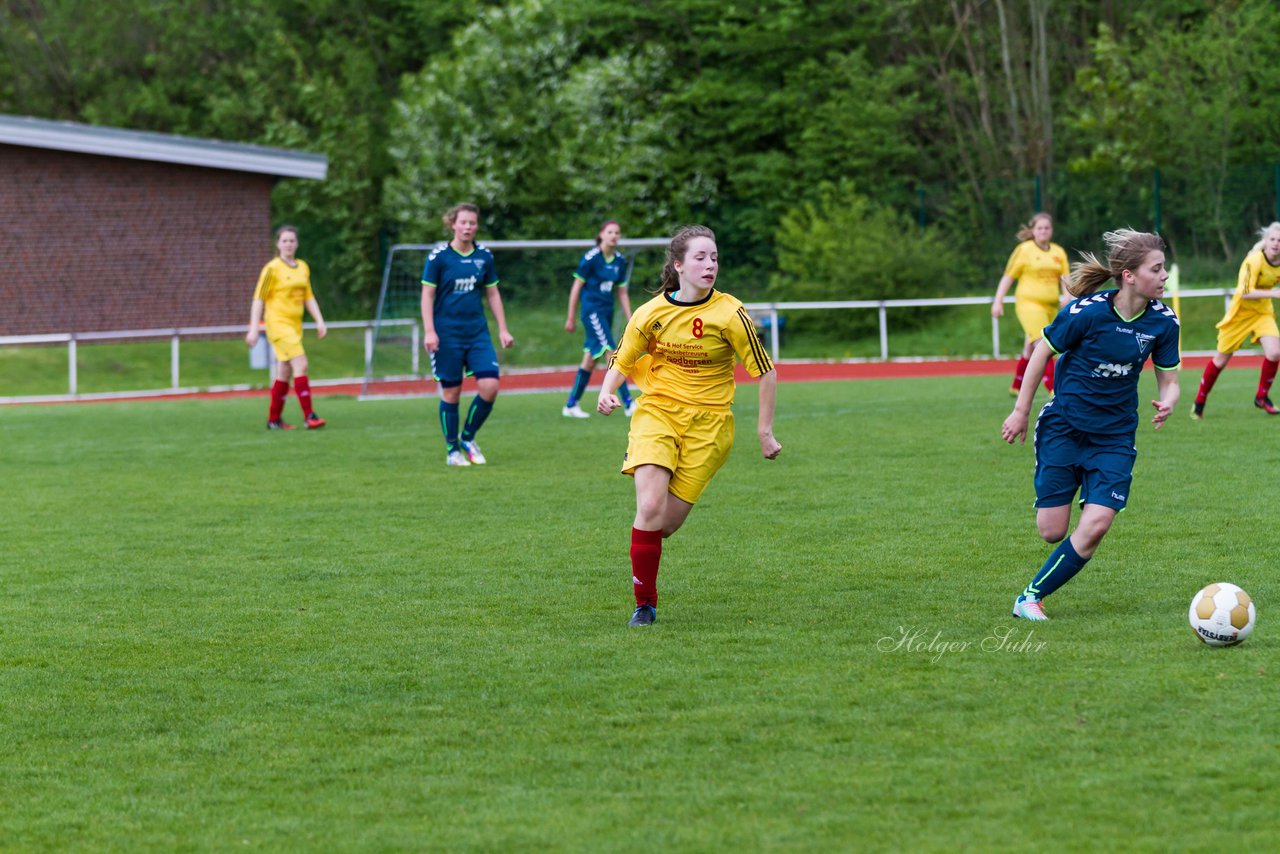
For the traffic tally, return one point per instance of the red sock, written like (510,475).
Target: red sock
(1210,376)
(646,551)
(1267,378)
(279,391)
(1019,371)
(1048,374)
(303,388)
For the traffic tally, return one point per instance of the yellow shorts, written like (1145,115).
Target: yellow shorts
(690,442)
(287,343)
(1233,331)
(1034,316)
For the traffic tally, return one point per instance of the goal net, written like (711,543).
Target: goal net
(530,272)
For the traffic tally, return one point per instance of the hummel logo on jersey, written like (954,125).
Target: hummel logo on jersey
(657,324)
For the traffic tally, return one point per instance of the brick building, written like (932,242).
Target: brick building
(104,229)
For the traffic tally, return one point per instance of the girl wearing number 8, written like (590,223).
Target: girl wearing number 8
(680,348)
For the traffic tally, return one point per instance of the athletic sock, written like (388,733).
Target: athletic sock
(279,391)
(449,424)
(1207,379)
(646,552)
(303,387)
(1060,568)
(1020,371)
(1267,377)
(625,394)
(479,411)
(579,387)
(1048,374)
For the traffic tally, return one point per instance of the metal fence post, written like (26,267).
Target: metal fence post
(71,364)
(415,342)
(775,340)
(174,347)
(884,332)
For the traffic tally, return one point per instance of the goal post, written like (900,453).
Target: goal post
(395,357)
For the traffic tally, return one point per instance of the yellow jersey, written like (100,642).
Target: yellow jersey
(284,291)
(1256,274)
(685,351)
(1038,271)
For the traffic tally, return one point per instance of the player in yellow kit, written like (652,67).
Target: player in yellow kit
(284,289)
(1250,315)
(1041,269)
(679,348)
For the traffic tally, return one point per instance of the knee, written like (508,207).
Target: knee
(1091,536)
(1051,531)
(651,509)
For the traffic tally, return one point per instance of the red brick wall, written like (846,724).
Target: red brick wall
(94,243)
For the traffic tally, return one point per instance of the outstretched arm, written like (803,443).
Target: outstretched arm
(1015,426)
(255,322)
(575,293)
(1002,289)
(1167,384)
(769,446)
(495,305)
(608,401)
(314,308)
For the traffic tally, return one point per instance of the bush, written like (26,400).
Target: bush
(844,246)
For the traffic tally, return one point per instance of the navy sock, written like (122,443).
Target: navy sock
(449,424)
(579,387)
(1060,568)
(625,394)
(479,411)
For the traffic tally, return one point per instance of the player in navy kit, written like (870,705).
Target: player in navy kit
(1084,436)
(602,272)
(456,333)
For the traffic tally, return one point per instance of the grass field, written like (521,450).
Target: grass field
(540,342)
(213,637)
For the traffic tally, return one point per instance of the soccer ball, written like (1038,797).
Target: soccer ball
(1222,614)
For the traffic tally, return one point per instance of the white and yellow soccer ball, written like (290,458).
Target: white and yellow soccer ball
(1222,614)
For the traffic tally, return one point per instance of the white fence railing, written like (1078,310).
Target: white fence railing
(175,336)
(766,313)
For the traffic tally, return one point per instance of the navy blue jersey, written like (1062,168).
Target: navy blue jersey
(1096,386)
(458,279)
(599,278)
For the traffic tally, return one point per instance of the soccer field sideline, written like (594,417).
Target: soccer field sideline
(557,379)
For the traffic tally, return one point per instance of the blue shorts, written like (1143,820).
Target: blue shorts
(598,329)
(460,356)
(1100,467)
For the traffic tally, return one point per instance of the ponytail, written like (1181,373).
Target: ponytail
(1126,250)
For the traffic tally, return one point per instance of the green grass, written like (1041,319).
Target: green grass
(540,341)
(215,637)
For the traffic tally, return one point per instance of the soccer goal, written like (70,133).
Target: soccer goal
(395,363)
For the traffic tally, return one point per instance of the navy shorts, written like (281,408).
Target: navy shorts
(459,357)
(1100,467)
(597,327)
